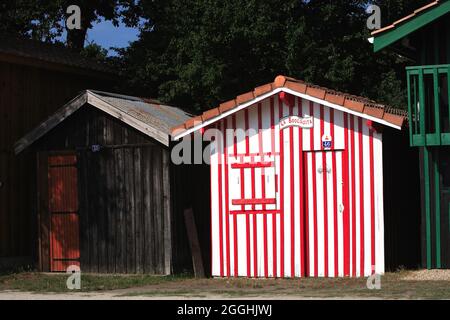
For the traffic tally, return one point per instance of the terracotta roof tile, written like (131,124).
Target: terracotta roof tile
(376,111)
(279,81)
(316,92)
(335,97)
(243,98)
(354,104)
(395,119)
(210,114)
(259,91)
(178,129)
(225,106)
(298,86)
(359,104)
(193,122)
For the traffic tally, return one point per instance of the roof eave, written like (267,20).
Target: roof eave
(395,33)
(178,134)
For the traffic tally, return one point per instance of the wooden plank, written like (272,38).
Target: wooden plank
(139,257)
(167,213)
(111,199)
(120,225)
(191,228)
(158,211)
(83,188)
(149,243)
(93,215)
(130,212)
(43,213)
(102,198)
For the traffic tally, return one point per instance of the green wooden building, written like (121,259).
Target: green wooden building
(424,37)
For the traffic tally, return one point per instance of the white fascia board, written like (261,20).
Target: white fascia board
(226,114)
(341,108)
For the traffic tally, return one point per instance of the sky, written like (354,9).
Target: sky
(105,34)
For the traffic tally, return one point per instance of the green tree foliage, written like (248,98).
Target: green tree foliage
(198,53)
(45,19)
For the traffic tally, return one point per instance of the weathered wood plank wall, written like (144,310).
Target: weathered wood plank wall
(28,95)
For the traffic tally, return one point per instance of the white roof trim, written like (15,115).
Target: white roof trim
(273,92)
(106,107)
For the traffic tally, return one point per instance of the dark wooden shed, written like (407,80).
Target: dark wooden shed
(35,80)
(104,186)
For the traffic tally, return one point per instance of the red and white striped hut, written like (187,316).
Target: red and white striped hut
(301,192)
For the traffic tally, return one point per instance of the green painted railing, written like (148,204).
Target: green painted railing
(428,105)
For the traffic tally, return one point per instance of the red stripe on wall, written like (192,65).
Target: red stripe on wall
(325,191)
(307,216)
(263,191)
(361,195)
(372,200)
(247,218)
(301,192)
(227,207)
(291,177)
(346,215)
(219,165)
(274,217)
(352,153)
(235,236)
(314,159)
(335,195)
(280,114)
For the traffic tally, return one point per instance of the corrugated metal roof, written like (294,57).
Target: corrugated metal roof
(148,116)
(159,116)
(50,53)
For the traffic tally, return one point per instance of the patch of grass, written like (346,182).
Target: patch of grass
(393,286)
(40,282)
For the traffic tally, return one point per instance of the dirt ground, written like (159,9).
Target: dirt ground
(433,284)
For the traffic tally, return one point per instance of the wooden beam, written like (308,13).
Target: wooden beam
(167,212)
(64,112)
(191,228)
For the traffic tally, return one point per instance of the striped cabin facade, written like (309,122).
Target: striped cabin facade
(291,201)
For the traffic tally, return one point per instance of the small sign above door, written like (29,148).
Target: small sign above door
(296,121)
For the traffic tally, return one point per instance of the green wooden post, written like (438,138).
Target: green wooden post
(422,105)
(437,208)
(426,171)
(411,117)
(437,111)
(448,89)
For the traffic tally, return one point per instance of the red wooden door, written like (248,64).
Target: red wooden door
(63,207)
